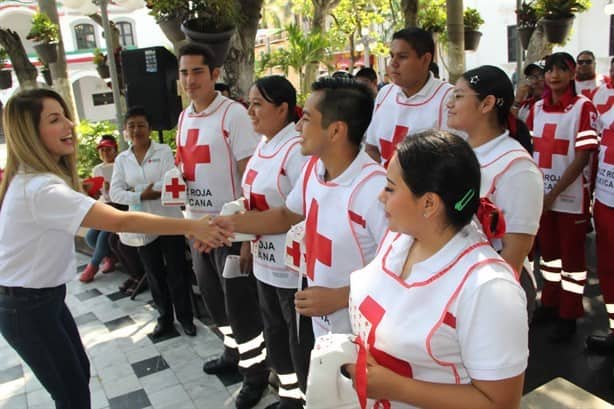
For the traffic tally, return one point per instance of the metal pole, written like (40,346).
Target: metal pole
(456,35)
(113,68)
(519,50)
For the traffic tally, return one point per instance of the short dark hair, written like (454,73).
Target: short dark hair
(277,90)
(199,49)
(220,86)
(137,110)
(440,162)
(345,100)
(420,40)
(368,73)
(434,68)
(589,52)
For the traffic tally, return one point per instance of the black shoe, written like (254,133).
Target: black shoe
(563,331)
(543,315)
(162,329)
(219,366)
(600,344)
(250,394)
(189,329)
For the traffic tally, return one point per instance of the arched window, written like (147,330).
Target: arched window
(126,34)
(86,36)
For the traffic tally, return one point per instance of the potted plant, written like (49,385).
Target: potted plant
(212,23)
(558,17)
(432,16)
(169,14)
(472,21)
(45,34)
(100,60)
(526,17)
(6,78)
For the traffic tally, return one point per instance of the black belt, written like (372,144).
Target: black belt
(23,291)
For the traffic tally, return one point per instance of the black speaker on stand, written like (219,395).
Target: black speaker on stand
(150,79)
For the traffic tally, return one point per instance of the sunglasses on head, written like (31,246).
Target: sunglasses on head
(585,62)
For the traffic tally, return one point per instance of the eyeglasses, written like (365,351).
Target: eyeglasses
(535,77)
(457,95)
(585,62)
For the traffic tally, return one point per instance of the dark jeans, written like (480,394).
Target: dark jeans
(167,274)
(38,325)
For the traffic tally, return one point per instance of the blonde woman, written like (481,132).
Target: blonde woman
(40,211)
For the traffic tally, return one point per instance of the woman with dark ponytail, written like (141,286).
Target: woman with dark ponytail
(427,310)
(480,106)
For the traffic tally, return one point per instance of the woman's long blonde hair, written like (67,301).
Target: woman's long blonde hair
(25,150)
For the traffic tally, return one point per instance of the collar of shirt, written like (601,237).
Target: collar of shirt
(425,92)
(490,145)
(564,101)
(347,177)
(213,106)
(153,147)
(287,132)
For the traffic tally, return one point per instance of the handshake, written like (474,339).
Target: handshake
(222,228)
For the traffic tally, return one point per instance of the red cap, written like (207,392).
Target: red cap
(107,143)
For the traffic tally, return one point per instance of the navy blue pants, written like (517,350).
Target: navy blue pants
(39,326)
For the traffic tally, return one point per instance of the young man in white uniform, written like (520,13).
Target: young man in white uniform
(587,80)
(215,139)
(336,197)
(415,101)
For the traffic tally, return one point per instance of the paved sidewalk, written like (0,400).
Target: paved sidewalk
(129,371)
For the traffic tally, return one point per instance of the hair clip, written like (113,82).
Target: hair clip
(499,102)
(462,203)
(474,80)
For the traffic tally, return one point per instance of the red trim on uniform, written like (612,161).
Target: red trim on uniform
(442,106)
(356,189)
(434,276)
(263,156)
(495,179)
(282,171)
(225,134)
(449,320)
(407,104)
(356,218)
(177,140)
(446,309)
(309,168)
(384,99)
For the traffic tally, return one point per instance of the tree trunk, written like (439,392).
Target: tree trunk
(321,8)
(410,12)
(456,43)
(114,30)
(539,47)
(239,65)
(59,70)
(24,69)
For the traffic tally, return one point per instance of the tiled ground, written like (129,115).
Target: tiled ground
(129,371)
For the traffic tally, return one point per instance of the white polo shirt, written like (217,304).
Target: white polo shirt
(39,218)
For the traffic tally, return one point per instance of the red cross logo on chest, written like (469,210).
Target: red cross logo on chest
(548,145)
(608,143)
(175,188)
(193,154)
(374,313)
(317,246)
(388,147)
(295,253)
(256,201)
(605,106)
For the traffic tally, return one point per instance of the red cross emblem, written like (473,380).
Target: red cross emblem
(604,107)
(400,132)
(317,247)
(548,145)
(193,154)
(175,188)
(256,200)
(608,143)
(295,253)
(374,313)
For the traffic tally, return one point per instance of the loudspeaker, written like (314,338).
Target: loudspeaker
(150,79)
